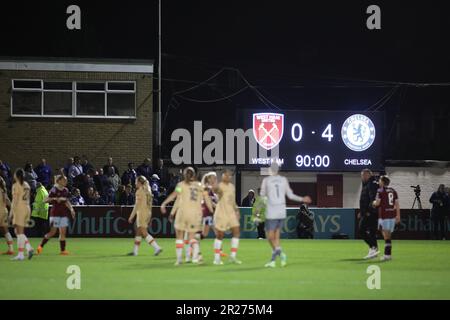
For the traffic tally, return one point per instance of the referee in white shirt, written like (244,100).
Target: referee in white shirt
(276,188)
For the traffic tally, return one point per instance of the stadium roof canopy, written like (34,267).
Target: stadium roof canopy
(78,65)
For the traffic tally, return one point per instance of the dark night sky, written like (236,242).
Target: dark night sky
(300,54)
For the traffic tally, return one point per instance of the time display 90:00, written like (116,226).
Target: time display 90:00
(308,161)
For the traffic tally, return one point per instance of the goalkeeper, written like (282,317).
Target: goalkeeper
(259,214)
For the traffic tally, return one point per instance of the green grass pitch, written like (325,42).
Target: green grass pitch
(317,269)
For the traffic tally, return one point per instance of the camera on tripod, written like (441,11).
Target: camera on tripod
(416,190)
(417,200)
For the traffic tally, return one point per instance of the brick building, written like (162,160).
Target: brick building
(58,109)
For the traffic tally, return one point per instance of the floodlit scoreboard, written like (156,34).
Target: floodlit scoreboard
(315,140)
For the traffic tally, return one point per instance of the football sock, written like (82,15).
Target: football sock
(187,250)
(217,249)
(195,249)
(21,244)
(9,241)
(277,251)
(151,241)
(27,244)
(234,247)
(274,255)
(62,245)
(179,250)
(388,248)
(44,241)
(137,243)
(374,243)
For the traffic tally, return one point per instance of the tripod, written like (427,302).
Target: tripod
(419,202)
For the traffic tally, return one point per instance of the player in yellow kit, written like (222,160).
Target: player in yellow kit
(142,211)
(4,202)
(189,194)
(21,213)
(226,217)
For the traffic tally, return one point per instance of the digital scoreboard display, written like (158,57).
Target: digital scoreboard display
(316,140)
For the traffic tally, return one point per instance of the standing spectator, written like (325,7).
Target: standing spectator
(40,210)
(75,169)
(5,173)
(259,214)
(67,166)
(145,169)
(249,199)
(154,186)
(85,181)
(162,173)
(30,177)
(173,181)
(129,176)
(112,185)
(119,194)
(77,199)
(128,198)
(110,164)
(100,181)
(85,164)
(162,196)
(440,200)
(44,173)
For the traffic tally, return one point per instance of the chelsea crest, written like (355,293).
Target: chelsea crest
(358,132)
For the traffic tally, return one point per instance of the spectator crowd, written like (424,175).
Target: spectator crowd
(104,185)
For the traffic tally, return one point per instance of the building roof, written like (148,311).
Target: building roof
(77,65)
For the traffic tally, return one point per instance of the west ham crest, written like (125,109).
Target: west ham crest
(268,129)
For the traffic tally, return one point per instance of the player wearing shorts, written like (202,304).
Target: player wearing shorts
(142,211)
(276,188)
(189,195)
(187,245)
(209,181)
(226,217)
(388,214)
(59,198)
(21,213)
(4,202)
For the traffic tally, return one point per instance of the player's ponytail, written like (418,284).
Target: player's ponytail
(19,176)
(59,178)
(2,185)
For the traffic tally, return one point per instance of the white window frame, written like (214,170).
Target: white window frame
(13,89)
(74,92)
(55,90)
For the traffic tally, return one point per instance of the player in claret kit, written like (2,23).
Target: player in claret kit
(4,202)
(388,213)
(189,194)
(142,211)
(276,188)
(226,217)
(59,198)
(209,181)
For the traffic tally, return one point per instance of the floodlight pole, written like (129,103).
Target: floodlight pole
(159,79)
